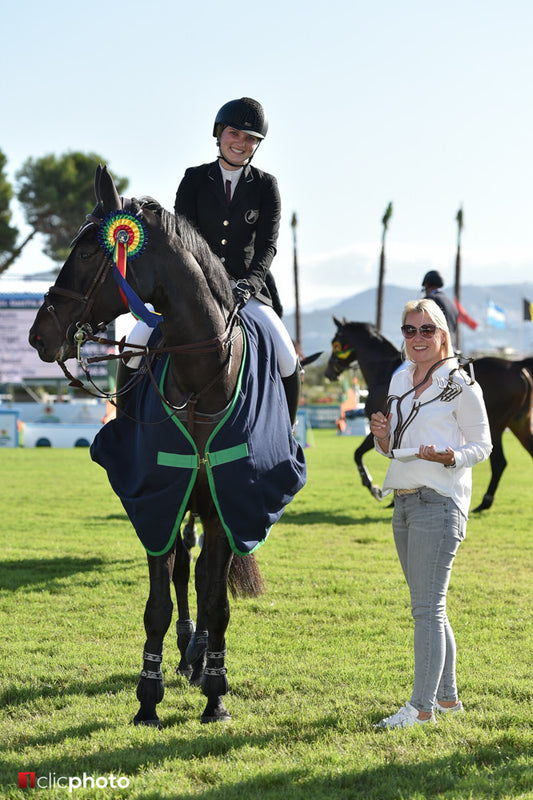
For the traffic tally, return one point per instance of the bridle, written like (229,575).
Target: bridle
(88,298)
(341,357)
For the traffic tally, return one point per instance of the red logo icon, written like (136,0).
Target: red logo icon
(26,780)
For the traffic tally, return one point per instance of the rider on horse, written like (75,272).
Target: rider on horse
(236,208)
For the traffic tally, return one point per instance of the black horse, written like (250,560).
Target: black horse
(507,389)
(203,361)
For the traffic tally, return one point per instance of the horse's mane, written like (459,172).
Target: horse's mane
(390,350)
(192,240)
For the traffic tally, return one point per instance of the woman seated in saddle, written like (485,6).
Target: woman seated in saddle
(237,208)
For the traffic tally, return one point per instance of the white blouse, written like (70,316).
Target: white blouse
(446,415)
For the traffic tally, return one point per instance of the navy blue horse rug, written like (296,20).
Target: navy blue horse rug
(254,464)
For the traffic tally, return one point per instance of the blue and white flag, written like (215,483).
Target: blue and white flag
(495,315)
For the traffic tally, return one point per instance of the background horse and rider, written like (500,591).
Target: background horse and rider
(507,389)
(187,439)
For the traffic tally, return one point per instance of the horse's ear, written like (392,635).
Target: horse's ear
(97,175)
(337,323)
(107,191)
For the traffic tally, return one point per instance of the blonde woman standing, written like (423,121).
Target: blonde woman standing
(435,430)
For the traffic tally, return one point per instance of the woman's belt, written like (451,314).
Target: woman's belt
(399,492)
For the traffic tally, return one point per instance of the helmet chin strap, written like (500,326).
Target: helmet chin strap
(237,166)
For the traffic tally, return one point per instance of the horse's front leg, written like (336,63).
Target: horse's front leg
(157,618)
(211,580)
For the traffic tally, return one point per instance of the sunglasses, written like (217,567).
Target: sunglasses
(427,331)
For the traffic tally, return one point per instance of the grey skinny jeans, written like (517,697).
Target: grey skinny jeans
(428,529)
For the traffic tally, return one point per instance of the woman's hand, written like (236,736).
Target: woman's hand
(380,426)
(429,452)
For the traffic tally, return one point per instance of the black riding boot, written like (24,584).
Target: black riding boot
(293,386)
(124,375)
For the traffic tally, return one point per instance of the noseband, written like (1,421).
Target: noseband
(88,298)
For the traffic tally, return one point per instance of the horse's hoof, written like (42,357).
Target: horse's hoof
(485,503)
(376,492)
(149,723)
(216,718)
(195,656)
(197,675)
(190,537)
(184,671)
(215,711)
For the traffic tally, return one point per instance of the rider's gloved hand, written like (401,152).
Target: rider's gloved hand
(242,291)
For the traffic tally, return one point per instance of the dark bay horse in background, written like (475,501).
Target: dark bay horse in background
(507,389)
(204,340)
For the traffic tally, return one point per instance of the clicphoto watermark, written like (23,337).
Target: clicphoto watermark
(29,780)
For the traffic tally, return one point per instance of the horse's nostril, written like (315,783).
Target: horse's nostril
(36,341)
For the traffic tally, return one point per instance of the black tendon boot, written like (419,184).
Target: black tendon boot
(293,386)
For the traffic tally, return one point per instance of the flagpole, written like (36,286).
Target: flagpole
(459,218)
(526,306)
(381,279)
(298,332)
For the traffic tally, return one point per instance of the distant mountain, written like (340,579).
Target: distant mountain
(318,327)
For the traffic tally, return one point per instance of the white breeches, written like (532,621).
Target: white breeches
(285,352)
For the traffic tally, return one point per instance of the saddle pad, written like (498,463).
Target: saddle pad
(254,464)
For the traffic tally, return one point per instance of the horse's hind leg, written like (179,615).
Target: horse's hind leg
(190,534)
(366,477)
(184,624)
(157,618)
(497,466)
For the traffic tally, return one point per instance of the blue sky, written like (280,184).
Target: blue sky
(427,105)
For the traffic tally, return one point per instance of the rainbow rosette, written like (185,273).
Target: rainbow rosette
(121,228)
(124,237)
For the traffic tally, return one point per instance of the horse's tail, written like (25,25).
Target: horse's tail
(527,363)
(244,578)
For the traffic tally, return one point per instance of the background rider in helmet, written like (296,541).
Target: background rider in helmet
(432,284)
(237,209)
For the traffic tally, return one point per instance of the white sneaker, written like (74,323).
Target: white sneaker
(404,718)
(453,709)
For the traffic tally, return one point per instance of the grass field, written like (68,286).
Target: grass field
(312,664)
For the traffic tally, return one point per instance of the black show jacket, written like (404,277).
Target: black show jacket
(244,234)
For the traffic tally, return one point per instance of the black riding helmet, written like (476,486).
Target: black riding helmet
(433,278)
(244,115)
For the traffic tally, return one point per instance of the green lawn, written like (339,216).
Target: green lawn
(312,664)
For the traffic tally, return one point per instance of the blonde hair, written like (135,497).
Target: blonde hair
(432,310)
